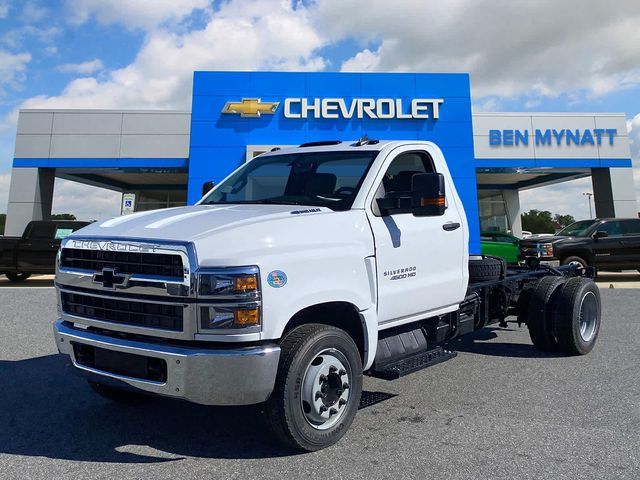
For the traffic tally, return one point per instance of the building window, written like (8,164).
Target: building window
(493,214)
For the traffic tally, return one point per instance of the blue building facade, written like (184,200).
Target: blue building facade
(219,141)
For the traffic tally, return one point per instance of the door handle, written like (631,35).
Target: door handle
(450,226)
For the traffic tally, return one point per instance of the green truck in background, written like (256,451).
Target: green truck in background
(500,244)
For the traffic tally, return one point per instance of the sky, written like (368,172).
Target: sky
(522,55)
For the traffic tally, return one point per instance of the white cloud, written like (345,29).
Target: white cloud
(16,37)
(144,14)
(242,35)
(565,198)
(4,9)
(32,12)
(84,68)
(13,67)
(538,48)
(84,201)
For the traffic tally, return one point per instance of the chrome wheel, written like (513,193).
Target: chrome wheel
(325,389)
(588,316)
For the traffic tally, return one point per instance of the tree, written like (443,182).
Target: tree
(63,216)
(3,219)
(563,220)
(536,221)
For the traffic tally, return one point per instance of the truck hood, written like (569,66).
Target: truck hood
(228,234)
(536,240)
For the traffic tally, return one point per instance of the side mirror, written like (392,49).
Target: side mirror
(427,195)
(207,187)
(600,234)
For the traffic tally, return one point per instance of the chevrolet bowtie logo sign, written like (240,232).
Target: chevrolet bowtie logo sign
(251,107)
(109,278)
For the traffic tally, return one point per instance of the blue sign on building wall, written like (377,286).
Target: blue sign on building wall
(233,110)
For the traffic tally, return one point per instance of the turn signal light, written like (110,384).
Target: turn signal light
(245,284)
(436,202)
(247,317)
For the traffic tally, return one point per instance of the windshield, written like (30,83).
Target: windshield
(320,179)
(577,229)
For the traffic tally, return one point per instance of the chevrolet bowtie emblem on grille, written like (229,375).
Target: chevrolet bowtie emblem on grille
(110,279)
(250,107)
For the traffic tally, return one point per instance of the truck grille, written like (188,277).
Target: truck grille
(126,312)
(158,264)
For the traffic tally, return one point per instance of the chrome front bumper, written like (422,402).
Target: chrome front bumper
(209,376)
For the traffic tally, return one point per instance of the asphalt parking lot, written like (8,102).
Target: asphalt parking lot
(500,410)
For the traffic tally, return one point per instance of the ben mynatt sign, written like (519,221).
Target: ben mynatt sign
(512,137)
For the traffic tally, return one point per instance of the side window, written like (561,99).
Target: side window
(42,230)
(403,167)
(612,228)
(631,227)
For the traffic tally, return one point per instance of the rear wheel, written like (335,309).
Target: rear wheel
(17,276)
(539,312)
(576,316)
(318,387)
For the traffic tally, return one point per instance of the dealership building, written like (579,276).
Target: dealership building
(163,158)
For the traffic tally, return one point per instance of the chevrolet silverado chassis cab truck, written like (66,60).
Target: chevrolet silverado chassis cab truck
(302,271)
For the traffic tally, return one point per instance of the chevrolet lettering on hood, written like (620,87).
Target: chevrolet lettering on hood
(111,246)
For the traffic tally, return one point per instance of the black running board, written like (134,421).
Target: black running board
(411,364)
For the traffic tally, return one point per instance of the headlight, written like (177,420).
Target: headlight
(546,250)
(229,300)
(233,283)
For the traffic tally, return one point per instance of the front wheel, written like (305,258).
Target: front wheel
(318,387)
(576,261)
(17,276)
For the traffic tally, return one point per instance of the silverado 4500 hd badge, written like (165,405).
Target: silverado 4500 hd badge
(400,273)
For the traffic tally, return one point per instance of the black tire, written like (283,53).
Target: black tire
(485,269)
(540,311)
(115,394)
(575,259)
(17,276)
(300,349)
(577,316)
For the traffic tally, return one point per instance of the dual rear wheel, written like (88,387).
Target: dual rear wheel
(563,314)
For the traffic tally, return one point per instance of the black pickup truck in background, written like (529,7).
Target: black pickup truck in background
(35,251)
(606,243)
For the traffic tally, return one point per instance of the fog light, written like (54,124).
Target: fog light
(247,317)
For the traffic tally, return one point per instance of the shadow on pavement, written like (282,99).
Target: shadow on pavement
(46,411)
(479,343)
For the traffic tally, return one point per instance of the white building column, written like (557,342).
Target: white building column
(512,203)
(30,198)
(614,192)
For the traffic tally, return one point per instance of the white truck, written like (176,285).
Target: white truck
(302,271)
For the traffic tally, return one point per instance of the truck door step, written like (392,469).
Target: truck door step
(412,363)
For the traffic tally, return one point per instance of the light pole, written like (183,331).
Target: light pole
(589,194)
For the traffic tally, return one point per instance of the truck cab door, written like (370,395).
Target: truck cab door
(421,261)
(631,242)
(609,251)
(37,248)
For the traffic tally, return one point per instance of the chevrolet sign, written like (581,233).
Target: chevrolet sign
(339,108)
